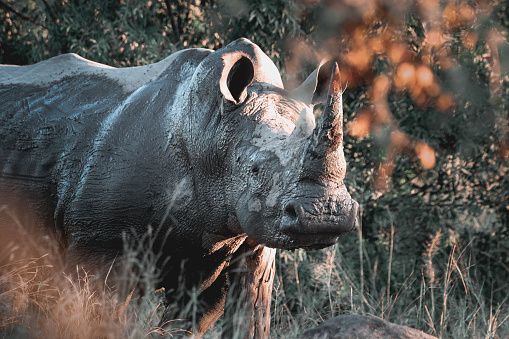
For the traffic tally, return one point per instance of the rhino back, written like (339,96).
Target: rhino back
(95,137)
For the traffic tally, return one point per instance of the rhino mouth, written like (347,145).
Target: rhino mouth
(295,241)
(307,242)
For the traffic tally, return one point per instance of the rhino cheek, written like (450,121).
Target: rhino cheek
(275,191)
(272,139)
(251,223)
(255,218)
(254,205)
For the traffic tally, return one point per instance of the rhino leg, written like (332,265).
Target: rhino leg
(247,309)
(192,315)
(211,306)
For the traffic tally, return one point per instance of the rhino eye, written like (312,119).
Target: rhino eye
(255,169)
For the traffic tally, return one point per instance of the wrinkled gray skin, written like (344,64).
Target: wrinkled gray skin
(207,147)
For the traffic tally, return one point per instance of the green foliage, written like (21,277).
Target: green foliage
(126,33)
(269,24)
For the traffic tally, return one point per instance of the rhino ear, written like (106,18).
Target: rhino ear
(315,88)
(237,75)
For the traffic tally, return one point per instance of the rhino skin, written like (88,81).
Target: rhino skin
(205,147)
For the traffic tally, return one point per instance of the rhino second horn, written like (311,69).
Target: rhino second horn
(324,159)
(305,124)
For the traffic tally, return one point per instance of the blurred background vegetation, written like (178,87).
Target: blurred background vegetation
(427,138)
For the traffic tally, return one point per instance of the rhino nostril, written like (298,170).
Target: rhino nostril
(290,211)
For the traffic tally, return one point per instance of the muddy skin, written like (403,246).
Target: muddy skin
(205,147)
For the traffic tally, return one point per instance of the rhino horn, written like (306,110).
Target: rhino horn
(323,158)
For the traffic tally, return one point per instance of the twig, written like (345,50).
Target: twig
(361,257)
(49,9)
(390,264)
(179,17)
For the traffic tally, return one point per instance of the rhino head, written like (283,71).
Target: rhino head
(284,174)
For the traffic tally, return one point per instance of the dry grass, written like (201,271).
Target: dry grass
(446,299)
(38,300)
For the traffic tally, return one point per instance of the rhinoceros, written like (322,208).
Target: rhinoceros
(206,147)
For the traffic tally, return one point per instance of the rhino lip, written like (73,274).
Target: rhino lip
(308,242)
(297,219)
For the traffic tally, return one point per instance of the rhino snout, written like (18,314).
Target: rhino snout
(309,217)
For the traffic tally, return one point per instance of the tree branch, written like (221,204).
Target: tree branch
(174,28)
(188,12)
(9,8)
(179,17)
(50,11)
